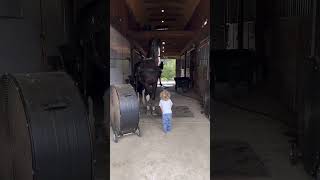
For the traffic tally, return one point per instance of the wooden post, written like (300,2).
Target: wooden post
(185,65)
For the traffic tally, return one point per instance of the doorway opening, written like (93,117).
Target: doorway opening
(168,72)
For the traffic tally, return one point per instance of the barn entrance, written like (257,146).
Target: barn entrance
(168,73)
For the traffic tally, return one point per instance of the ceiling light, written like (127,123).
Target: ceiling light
(205,23)
(162,29)
(163,51)
(162,47)
(162,21)
(162,10)
(163,42)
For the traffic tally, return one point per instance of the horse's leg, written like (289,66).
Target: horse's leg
(160,79)
(148,98)
(153,108)
(154,86)
(154,97)
(148,102)
(143,97)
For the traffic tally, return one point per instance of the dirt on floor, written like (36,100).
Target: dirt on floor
(182,154)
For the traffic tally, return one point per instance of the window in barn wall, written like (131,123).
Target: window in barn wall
(248,35)
(11,9)
(188,63)
(203,54)
(203,57)
(182,62)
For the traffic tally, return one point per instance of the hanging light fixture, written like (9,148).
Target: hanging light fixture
(205,23)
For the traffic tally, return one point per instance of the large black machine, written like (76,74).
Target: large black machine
(182,82)
(146,74)
(124,98)
(124,111)
(46,133)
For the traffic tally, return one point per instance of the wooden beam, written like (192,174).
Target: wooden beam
(144,35)
(159,19)
(168,14)
(175,40)
(164,1)
(170,8)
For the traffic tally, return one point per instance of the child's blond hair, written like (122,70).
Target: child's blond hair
(165,95)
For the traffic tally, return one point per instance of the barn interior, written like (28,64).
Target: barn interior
(183,28)
(264,62)
(265,57)
(49,131)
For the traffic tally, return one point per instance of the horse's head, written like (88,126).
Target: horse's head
(149,89)
(154,51)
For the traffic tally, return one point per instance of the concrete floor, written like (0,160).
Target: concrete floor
(266,137)
(182,154)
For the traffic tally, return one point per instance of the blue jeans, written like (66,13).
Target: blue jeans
(166,122)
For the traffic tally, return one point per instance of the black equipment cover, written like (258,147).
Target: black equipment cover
(45,131)
(124,109)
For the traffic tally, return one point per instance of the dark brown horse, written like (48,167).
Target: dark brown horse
(147,72)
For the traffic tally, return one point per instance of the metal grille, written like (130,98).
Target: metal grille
(289,8)
(5,90)
(4,96)
(203,54)
(5,166)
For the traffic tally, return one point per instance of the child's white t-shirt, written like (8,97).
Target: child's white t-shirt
(166,106)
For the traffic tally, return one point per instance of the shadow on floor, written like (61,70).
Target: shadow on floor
(236,158)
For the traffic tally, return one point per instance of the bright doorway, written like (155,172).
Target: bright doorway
(168,72)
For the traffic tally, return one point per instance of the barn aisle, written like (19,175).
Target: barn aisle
(181,154)
(259,149)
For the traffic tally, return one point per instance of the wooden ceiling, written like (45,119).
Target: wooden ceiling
(175,16)
(174,41)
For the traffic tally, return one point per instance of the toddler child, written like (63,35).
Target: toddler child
(165,106)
